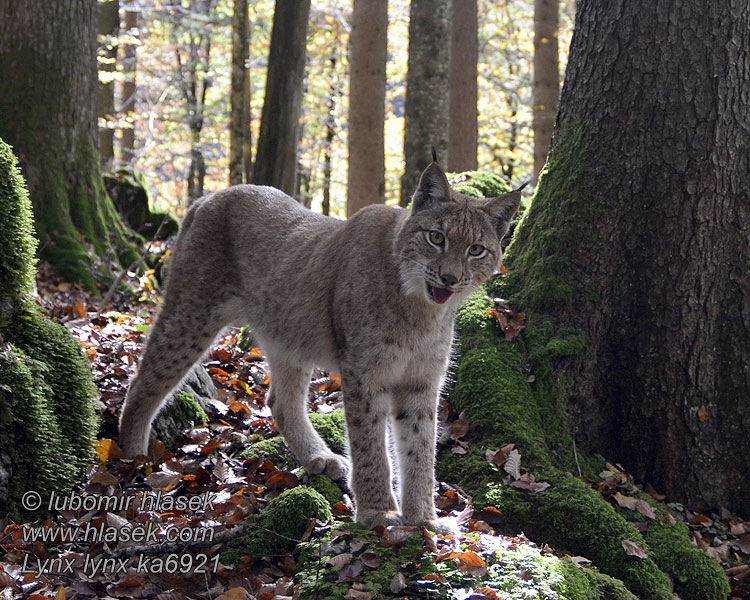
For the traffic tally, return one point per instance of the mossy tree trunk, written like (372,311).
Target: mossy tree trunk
(47,419)
(48,103)
(636,245)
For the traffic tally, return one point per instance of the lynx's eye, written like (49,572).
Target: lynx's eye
(436,238)
(477,250)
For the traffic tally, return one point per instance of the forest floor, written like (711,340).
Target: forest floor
(204,461)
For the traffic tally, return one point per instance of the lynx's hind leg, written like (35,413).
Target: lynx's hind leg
(177,339)
(287,399)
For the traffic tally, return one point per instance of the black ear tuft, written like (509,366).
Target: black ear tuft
(433,187)
(434,155)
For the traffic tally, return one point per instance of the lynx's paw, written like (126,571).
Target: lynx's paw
(443,526)
(333,465)
(372,517)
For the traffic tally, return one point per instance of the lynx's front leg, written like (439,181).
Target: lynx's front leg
(366,412)
(287,399)
(415,429)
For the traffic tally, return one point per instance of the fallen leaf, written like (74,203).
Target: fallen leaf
(353,594)
(634,548)
(370,559)
(281,480)
(513,465)
(237,593)
(340,560)
(107,449)
(163,480)
(398,583)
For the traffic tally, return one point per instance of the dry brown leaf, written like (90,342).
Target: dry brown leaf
(398,583)
(634,549)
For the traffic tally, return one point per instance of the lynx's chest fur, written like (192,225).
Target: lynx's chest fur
(373,297)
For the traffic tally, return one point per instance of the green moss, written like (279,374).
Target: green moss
(274,449)
(48,422)
(696,575)
(478,184)
(560,220)
(16,233)
(327,488)
(280,525)
(330,426)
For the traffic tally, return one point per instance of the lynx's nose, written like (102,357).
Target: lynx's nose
(448,279)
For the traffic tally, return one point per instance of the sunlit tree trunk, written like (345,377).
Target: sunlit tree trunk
(239,125)
(109,26)
(427,90)
(462,140)
(636,247)
(275,161)
(546,85)
(368,43)
(48,108)
(127,101)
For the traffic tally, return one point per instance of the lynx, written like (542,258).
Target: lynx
(373,298)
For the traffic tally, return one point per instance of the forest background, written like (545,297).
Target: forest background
(161,73)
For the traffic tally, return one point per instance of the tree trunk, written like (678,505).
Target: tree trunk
(462,138)
(546,84)
(275,162)
(49,115)
(240,101)
(109,27)
(127,101)
(639,248)
(366,168)
(333,91)
(427,90)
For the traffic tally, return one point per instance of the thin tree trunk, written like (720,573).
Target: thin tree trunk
(109,27)
(127,101)
(427,90)
(240,101)
(368,47)
(462,139)
(636,244)
(333,90)
(546,78)
(48,103)
(275,161)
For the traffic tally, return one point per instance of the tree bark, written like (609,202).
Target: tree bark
(546,86)
(240,102)
(427,90)
(366,165)
(109,27)
(275,162)
(127,100)
(462,138)
(48,103)
(640,247)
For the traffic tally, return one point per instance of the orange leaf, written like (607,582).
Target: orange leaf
(107,449)
(471,559)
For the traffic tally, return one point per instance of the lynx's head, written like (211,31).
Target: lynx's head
(450,244)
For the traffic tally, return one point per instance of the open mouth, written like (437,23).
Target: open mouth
(438,294)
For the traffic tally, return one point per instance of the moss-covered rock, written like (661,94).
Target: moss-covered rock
(330,426)
(130,195)
(279,525)
(327,488)
(47,418)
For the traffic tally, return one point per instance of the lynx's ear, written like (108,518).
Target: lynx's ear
(502,209)
(433,187)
